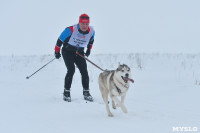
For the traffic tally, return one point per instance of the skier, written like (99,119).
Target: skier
(74,39)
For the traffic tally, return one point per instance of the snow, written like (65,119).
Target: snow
(165,95)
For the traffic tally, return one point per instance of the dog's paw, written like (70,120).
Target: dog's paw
(114,107)
(124,109)
(110,115)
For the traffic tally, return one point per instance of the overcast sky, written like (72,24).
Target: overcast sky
(121,26)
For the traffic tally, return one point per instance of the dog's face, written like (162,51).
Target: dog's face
(124,72)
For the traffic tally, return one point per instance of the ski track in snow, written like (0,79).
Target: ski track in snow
(165,94)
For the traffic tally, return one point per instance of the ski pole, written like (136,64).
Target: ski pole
(90,61)
(40,68)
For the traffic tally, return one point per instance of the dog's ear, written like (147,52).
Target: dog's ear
(119,64)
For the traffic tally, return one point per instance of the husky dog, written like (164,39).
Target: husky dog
(115,83)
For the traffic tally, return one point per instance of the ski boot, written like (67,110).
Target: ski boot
(66,95)
(87,96)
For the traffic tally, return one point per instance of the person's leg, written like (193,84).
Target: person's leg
(82,66)
(69,62)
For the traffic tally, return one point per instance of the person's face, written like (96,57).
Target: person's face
(84,26)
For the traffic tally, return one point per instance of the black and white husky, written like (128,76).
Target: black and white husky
(115,83)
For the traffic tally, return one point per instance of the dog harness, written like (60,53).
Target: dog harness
(118,89)
(124,85)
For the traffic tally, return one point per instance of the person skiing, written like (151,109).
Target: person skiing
(74,39)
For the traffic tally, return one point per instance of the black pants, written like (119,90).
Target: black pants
(70,59)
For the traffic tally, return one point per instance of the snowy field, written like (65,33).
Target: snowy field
(166,94)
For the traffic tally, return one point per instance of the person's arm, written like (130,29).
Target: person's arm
(89,47)
(64,35)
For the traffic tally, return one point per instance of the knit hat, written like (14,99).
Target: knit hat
(84,18)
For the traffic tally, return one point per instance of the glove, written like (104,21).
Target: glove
(87,52)
(57,55)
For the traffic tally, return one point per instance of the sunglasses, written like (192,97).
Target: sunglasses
(84,17)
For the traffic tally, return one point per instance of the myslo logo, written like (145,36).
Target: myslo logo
(184,129)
